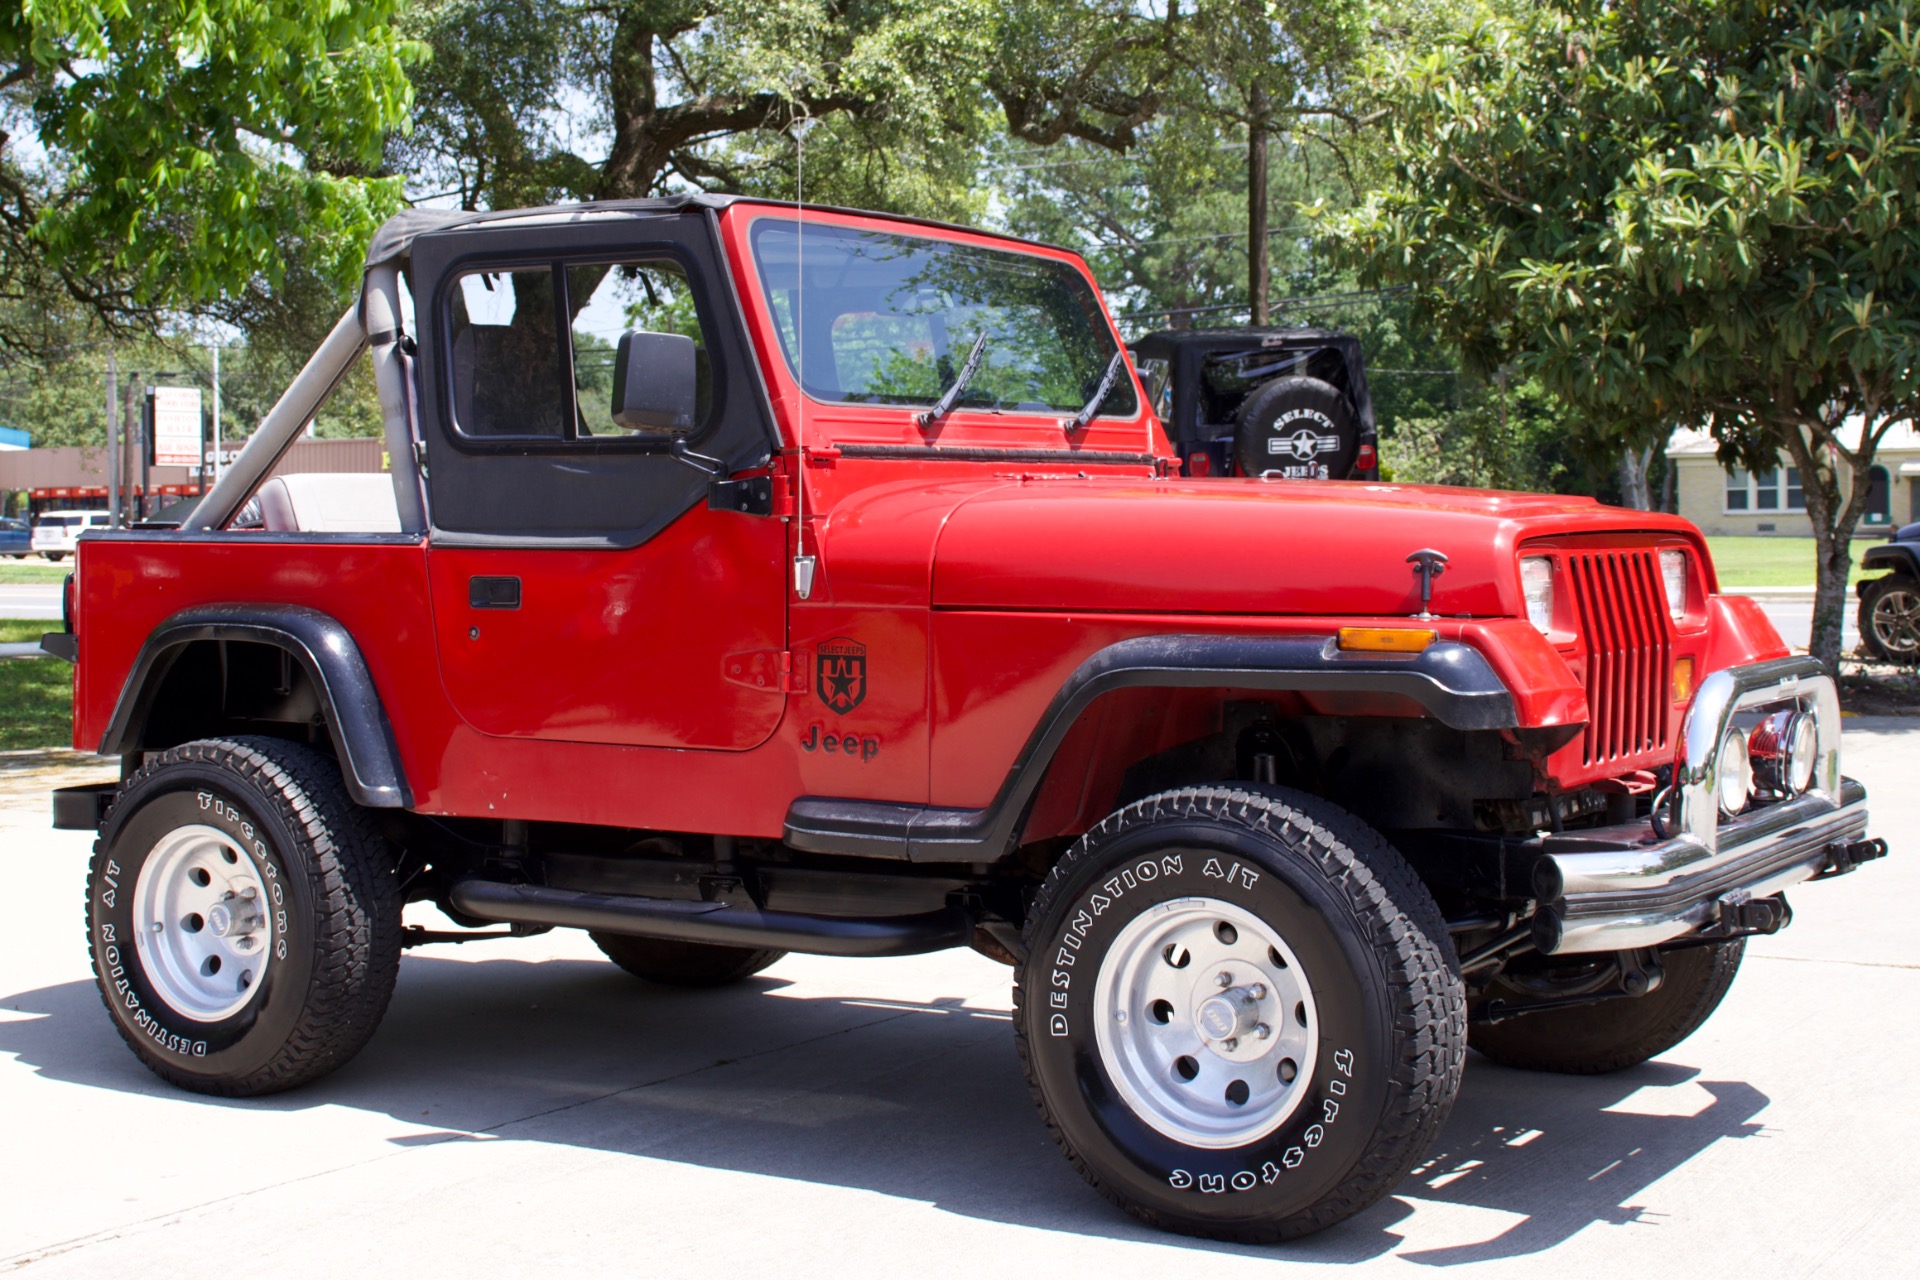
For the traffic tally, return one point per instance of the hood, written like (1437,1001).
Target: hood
(1251,547)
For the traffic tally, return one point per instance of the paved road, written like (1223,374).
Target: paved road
(1793,619)
(30,600)
(527,1109)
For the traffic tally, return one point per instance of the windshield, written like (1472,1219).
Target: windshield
(889,319)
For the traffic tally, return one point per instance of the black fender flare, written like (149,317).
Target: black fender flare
(1901,558)
(356,718)
(1453,682)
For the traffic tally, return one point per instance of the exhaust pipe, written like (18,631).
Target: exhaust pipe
(714,923)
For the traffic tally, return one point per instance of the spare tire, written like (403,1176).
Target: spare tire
(1297,429)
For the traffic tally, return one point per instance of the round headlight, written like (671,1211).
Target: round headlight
(1803,752)
(1784,749)
(1536,584)
(1733,773)
(1673,578)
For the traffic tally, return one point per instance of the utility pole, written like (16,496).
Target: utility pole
(146,450)
(130,416)
(113,444)
(1257,260)
(216,415)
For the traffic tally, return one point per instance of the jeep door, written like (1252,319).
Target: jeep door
(582,589)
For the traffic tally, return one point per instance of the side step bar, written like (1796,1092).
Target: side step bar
(717,923)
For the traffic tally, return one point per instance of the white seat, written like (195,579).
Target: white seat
(330,503)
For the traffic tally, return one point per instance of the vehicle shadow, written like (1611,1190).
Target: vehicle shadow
(922,1100)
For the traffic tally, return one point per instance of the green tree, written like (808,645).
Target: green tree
(171,147)
(1693,213)
(1262,68)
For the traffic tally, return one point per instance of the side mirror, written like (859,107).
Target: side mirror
(655,383)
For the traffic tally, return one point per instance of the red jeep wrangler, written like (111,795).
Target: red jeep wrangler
(752,581)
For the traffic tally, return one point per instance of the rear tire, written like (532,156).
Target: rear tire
(242,916)
(1889,619)
(1240,1012)
(1613,1034)
(1301,428)
(684,964)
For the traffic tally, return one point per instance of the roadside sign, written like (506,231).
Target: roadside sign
(176,427)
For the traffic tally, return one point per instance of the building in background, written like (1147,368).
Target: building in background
(1733,501)
(35,481)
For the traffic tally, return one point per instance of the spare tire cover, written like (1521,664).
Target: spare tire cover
(1297,429)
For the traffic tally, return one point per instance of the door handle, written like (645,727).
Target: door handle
(493,593)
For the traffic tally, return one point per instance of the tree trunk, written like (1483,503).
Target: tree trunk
(1633,478)
(1257,268)
(1834,516)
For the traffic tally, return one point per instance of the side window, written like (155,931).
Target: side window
(1736,489)
(609,299)
(505,357)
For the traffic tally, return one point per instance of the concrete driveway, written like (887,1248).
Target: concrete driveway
(527,1109)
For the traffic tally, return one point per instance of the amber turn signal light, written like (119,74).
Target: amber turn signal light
(1386,639)
(1683,680)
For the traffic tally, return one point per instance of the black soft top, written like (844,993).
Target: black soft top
(1187,350)
(396,235)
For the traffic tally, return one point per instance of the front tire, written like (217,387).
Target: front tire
(1613,1034)
(242,916)
(1240,1012)
(1889,619)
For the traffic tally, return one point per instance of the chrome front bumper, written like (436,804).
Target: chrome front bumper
(1695,873)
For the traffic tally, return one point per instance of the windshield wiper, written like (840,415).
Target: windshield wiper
(944,405)
(1100,393)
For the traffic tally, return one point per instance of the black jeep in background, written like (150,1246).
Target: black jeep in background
(1890,605)
(1289,404)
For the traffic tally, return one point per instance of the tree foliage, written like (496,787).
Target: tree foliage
(530,101)
(1693,213)
(158,152)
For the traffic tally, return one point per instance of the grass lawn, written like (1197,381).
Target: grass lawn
(35,570)
(25,630)
(36,703)
(1773,562)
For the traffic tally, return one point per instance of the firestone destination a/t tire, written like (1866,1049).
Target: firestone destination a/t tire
(1240,1012)
(242,916)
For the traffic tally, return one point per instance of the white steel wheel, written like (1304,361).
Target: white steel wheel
(204,932)
(1207,1025)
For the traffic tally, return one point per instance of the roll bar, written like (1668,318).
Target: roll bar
(374,320)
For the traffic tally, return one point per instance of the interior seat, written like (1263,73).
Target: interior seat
(329,503)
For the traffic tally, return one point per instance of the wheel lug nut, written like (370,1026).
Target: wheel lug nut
(1258,991)
(1225,980)
(159,927)
(1263,1031)
(1230,1043)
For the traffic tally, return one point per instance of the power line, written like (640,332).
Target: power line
(1325,299)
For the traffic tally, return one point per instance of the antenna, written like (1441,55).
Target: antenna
(803,564)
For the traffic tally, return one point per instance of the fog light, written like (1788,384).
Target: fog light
(1784,749)
(1733,773)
